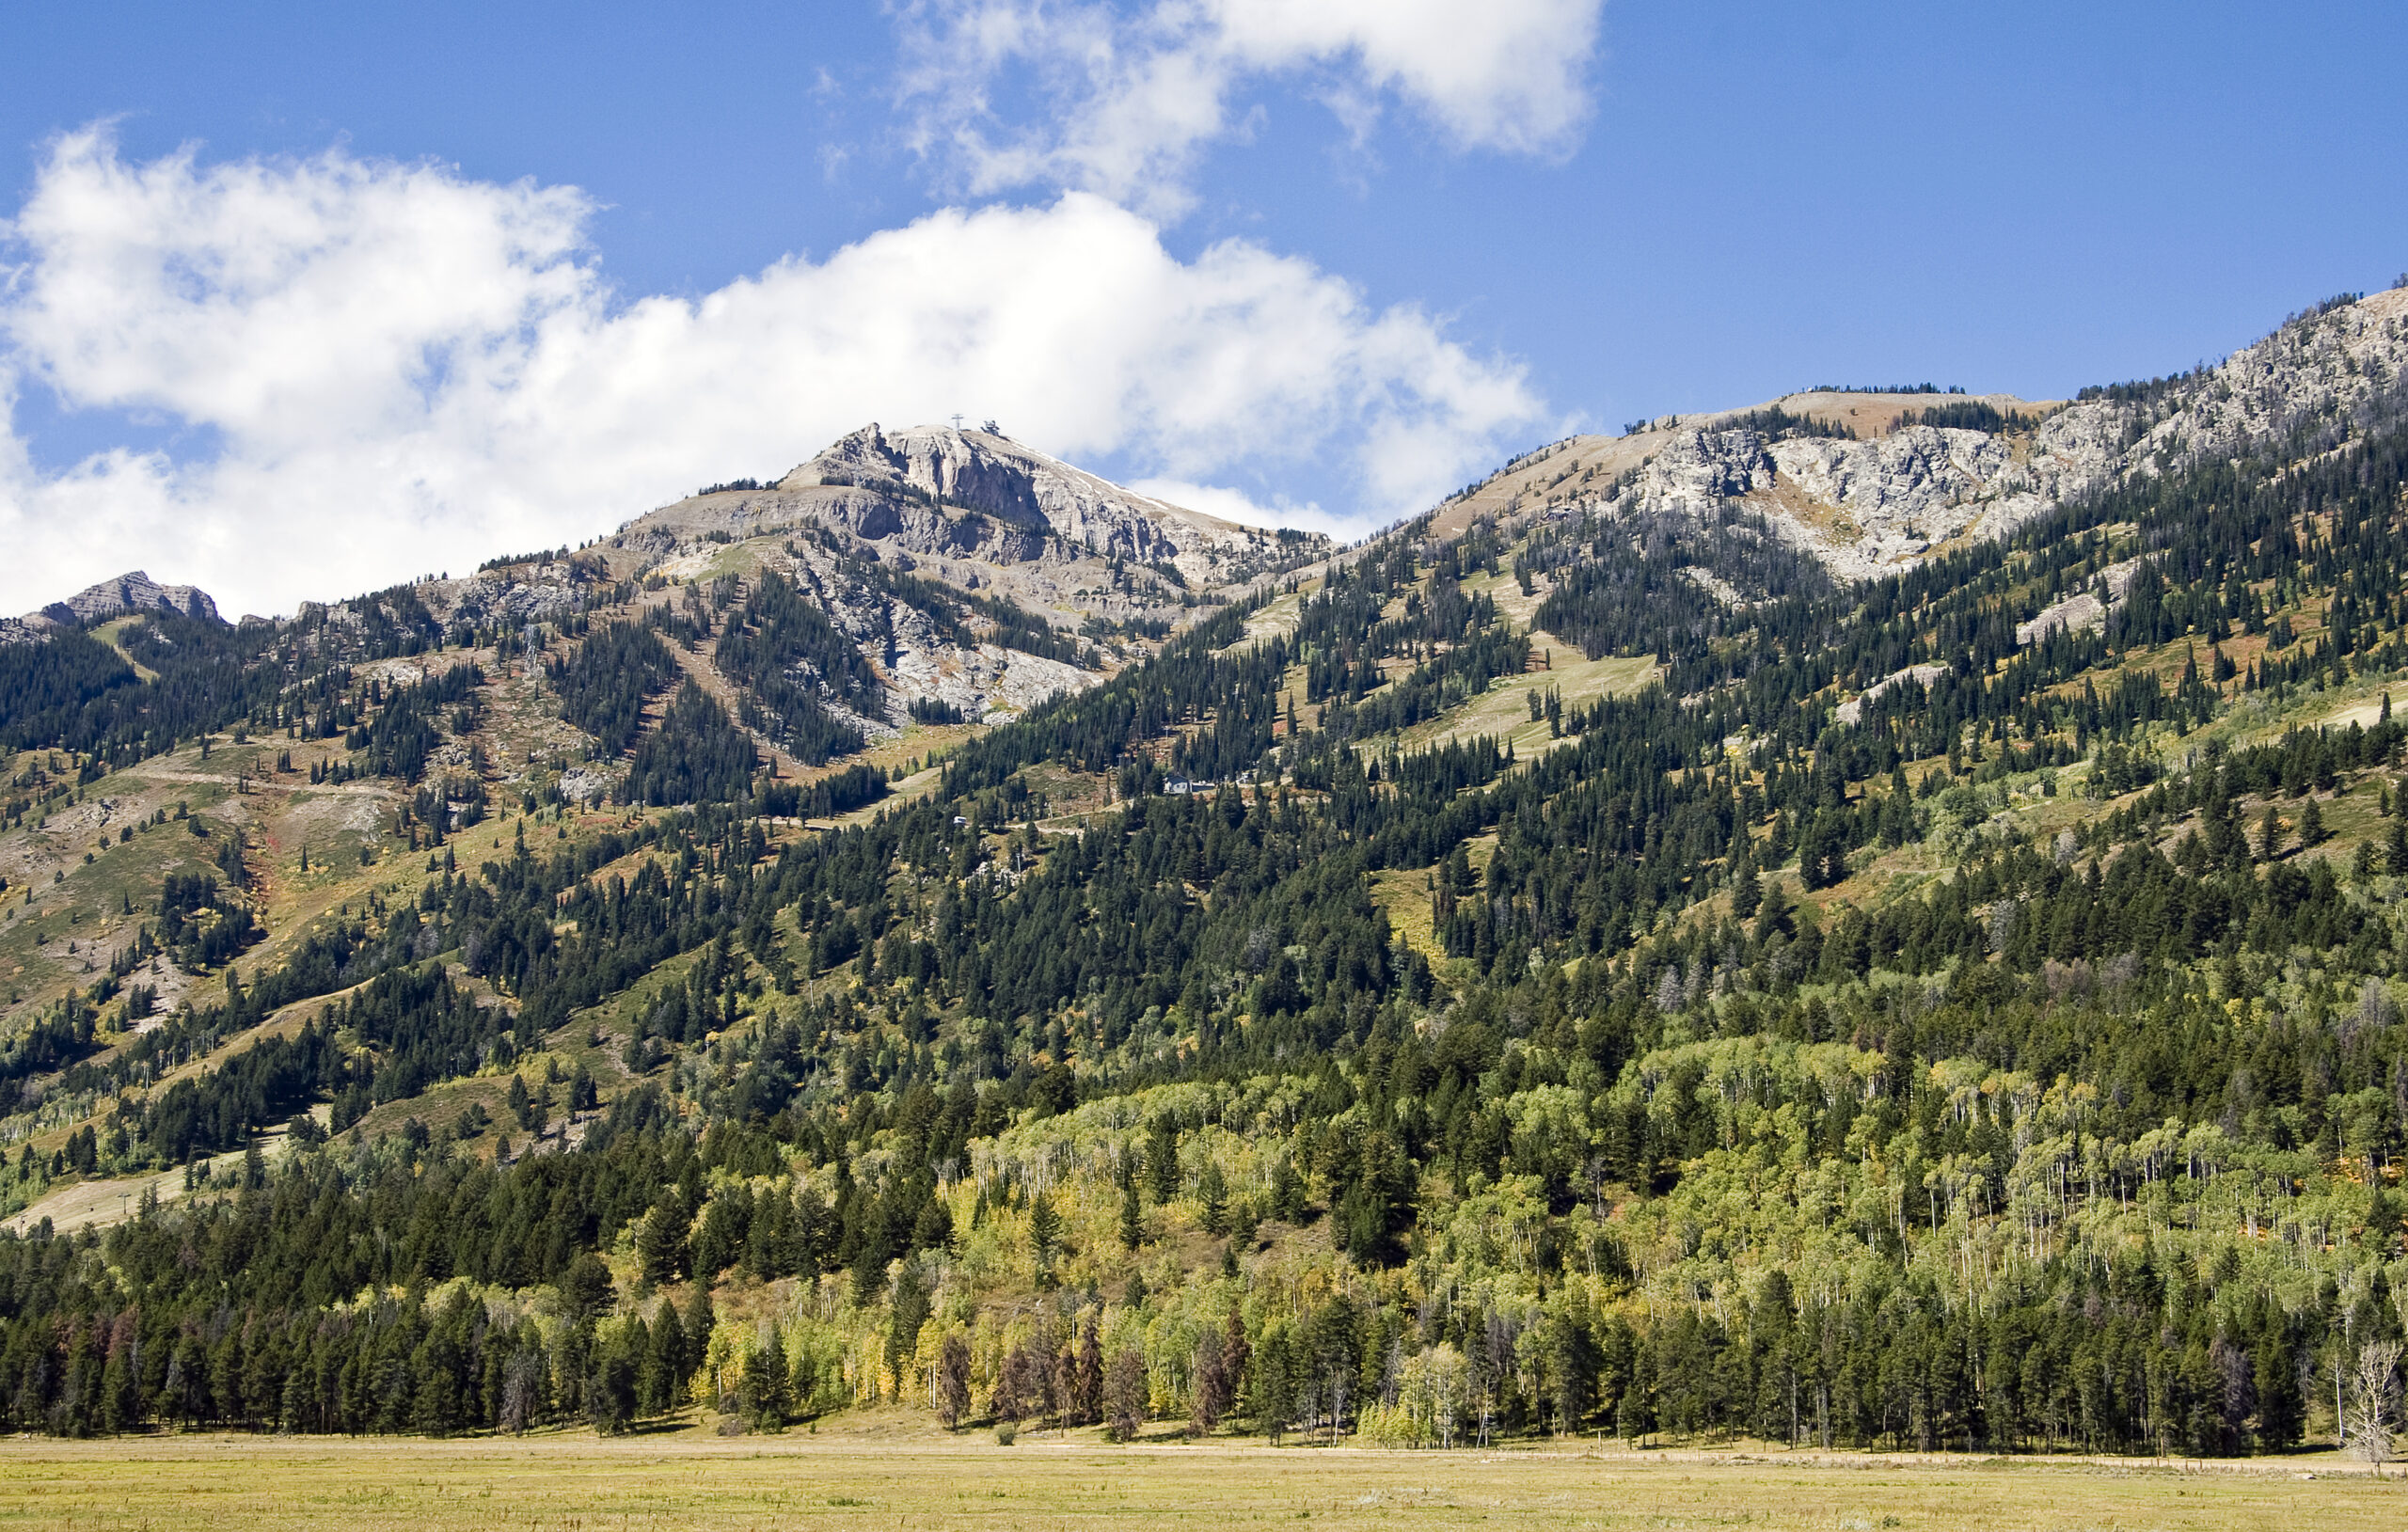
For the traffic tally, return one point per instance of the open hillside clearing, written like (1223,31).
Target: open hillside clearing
(1502,711)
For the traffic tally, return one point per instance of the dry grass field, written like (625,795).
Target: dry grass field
(873,1479)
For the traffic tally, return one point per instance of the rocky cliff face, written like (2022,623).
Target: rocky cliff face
(978,497)
(1040,497)
(1869,506)
(1860,506)
(133,592)
(1891,499)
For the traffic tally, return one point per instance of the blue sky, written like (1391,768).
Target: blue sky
(1324,271)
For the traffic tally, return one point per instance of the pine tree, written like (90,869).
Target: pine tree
(1747,892)
(662,1376)
(1087,1375)
(700,1322)
(1237,1354)
(661,1241)
(910,1311)
(1162,1158)
(1044,1228)
(764,1395)
(1212,1192)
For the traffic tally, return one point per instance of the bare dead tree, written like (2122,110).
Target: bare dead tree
(2374,1402)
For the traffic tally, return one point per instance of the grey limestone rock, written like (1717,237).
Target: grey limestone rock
(1870,507)
(130,593)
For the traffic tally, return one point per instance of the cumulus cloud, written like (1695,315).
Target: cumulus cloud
(397,368)
(1006,94)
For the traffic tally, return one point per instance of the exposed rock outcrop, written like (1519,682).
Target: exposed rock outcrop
(1922,675)
(1034,493)
(941,493)
(1870,506)
(528,592)
(133,592)
(979,515)
(1859,506)
(2083,609)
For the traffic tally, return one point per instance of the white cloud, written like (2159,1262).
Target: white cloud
(1237,505)
(403,369)
(1017,93)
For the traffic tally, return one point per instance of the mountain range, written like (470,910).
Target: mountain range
(1871,918)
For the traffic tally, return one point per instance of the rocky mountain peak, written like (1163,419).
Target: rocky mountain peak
(129,593)
(980,508)
(973,571)
(987,472)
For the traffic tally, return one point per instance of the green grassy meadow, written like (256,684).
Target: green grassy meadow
(869,1476)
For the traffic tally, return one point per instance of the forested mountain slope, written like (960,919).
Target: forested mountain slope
(1575,963)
